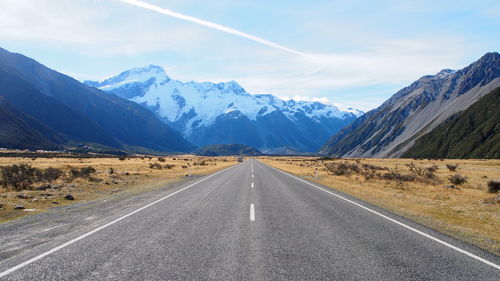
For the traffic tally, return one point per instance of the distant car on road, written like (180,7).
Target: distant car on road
(240,159)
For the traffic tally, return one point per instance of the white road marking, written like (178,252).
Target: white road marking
(50,228)
(252,213)
(21,265)
(398,222)
(252,185)
(252,176)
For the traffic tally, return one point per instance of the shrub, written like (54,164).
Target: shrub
(92,179)
(168,166)
(429,175)
(84,172)
(19,177)
(369,176)
(432,168)
(457,179)
(451,167)
(161,159)
(155,166)
(415,170)
(373,167)
(493,186)
(394,175)
(121,158)
(111,171)
(342,169)
(49,175)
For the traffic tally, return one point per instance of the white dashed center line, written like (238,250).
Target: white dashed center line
(252,213)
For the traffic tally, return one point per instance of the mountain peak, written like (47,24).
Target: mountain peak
(231,86)
(146,71)
(146,74)
(490,56)
(152,68)
(444,73)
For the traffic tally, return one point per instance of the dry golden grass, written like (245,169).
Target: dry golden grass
(468,213)
(130,175)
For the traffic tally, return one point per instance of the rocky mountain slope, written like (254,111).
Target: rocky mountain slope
(392,128)
(79,113)
(224,113)
(473,133)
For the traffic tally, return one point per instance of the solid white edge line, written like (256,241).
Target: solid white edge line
(21,265)
(252,213)
(398,222)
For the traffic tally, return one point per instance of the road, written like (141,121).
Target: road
(253,222)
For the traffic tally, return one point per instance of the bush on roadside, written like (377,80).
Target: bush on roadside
(397,176)
(200,163)
(457,179)
(19,177)
(415,170)
(161,159)
(155,165)
(168,166)
(432,168)
(48,175)
(373,167)
(493,186)
(342,169)
(84,172)
(451,167)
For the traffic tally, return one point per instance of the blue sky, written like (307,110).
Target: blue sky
(359,52)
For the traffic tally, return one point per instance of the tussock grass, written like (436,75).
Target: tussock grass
(93,178)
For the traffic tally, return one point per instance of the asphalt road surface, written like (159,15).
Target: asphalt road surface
(253,222)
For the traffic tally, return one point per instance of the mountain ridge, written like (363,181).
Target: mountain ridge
(82,113)
(393,127)
(199,110)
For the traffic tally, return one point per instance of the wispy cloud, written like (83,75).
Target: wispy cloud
(213,25)
(363,51)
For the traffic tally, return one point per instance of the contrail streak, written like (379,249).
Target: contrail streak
(212,25)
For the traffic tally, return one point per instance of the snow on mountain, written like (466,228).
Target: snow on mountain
(190,106)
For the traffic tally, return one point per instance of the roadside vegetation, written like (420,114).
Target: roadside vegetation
(457,197)
(35,184)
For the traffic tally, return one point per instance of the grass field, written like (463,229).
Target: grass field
(465,211)
(112,175)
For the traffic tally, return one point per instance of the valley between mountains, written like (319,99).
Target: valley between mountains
(94,174)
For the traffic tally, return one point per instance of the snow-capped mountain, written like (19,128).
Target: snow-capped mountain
(217,113)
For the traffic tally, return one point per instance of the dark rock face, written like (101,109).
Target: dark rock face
(389,130)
